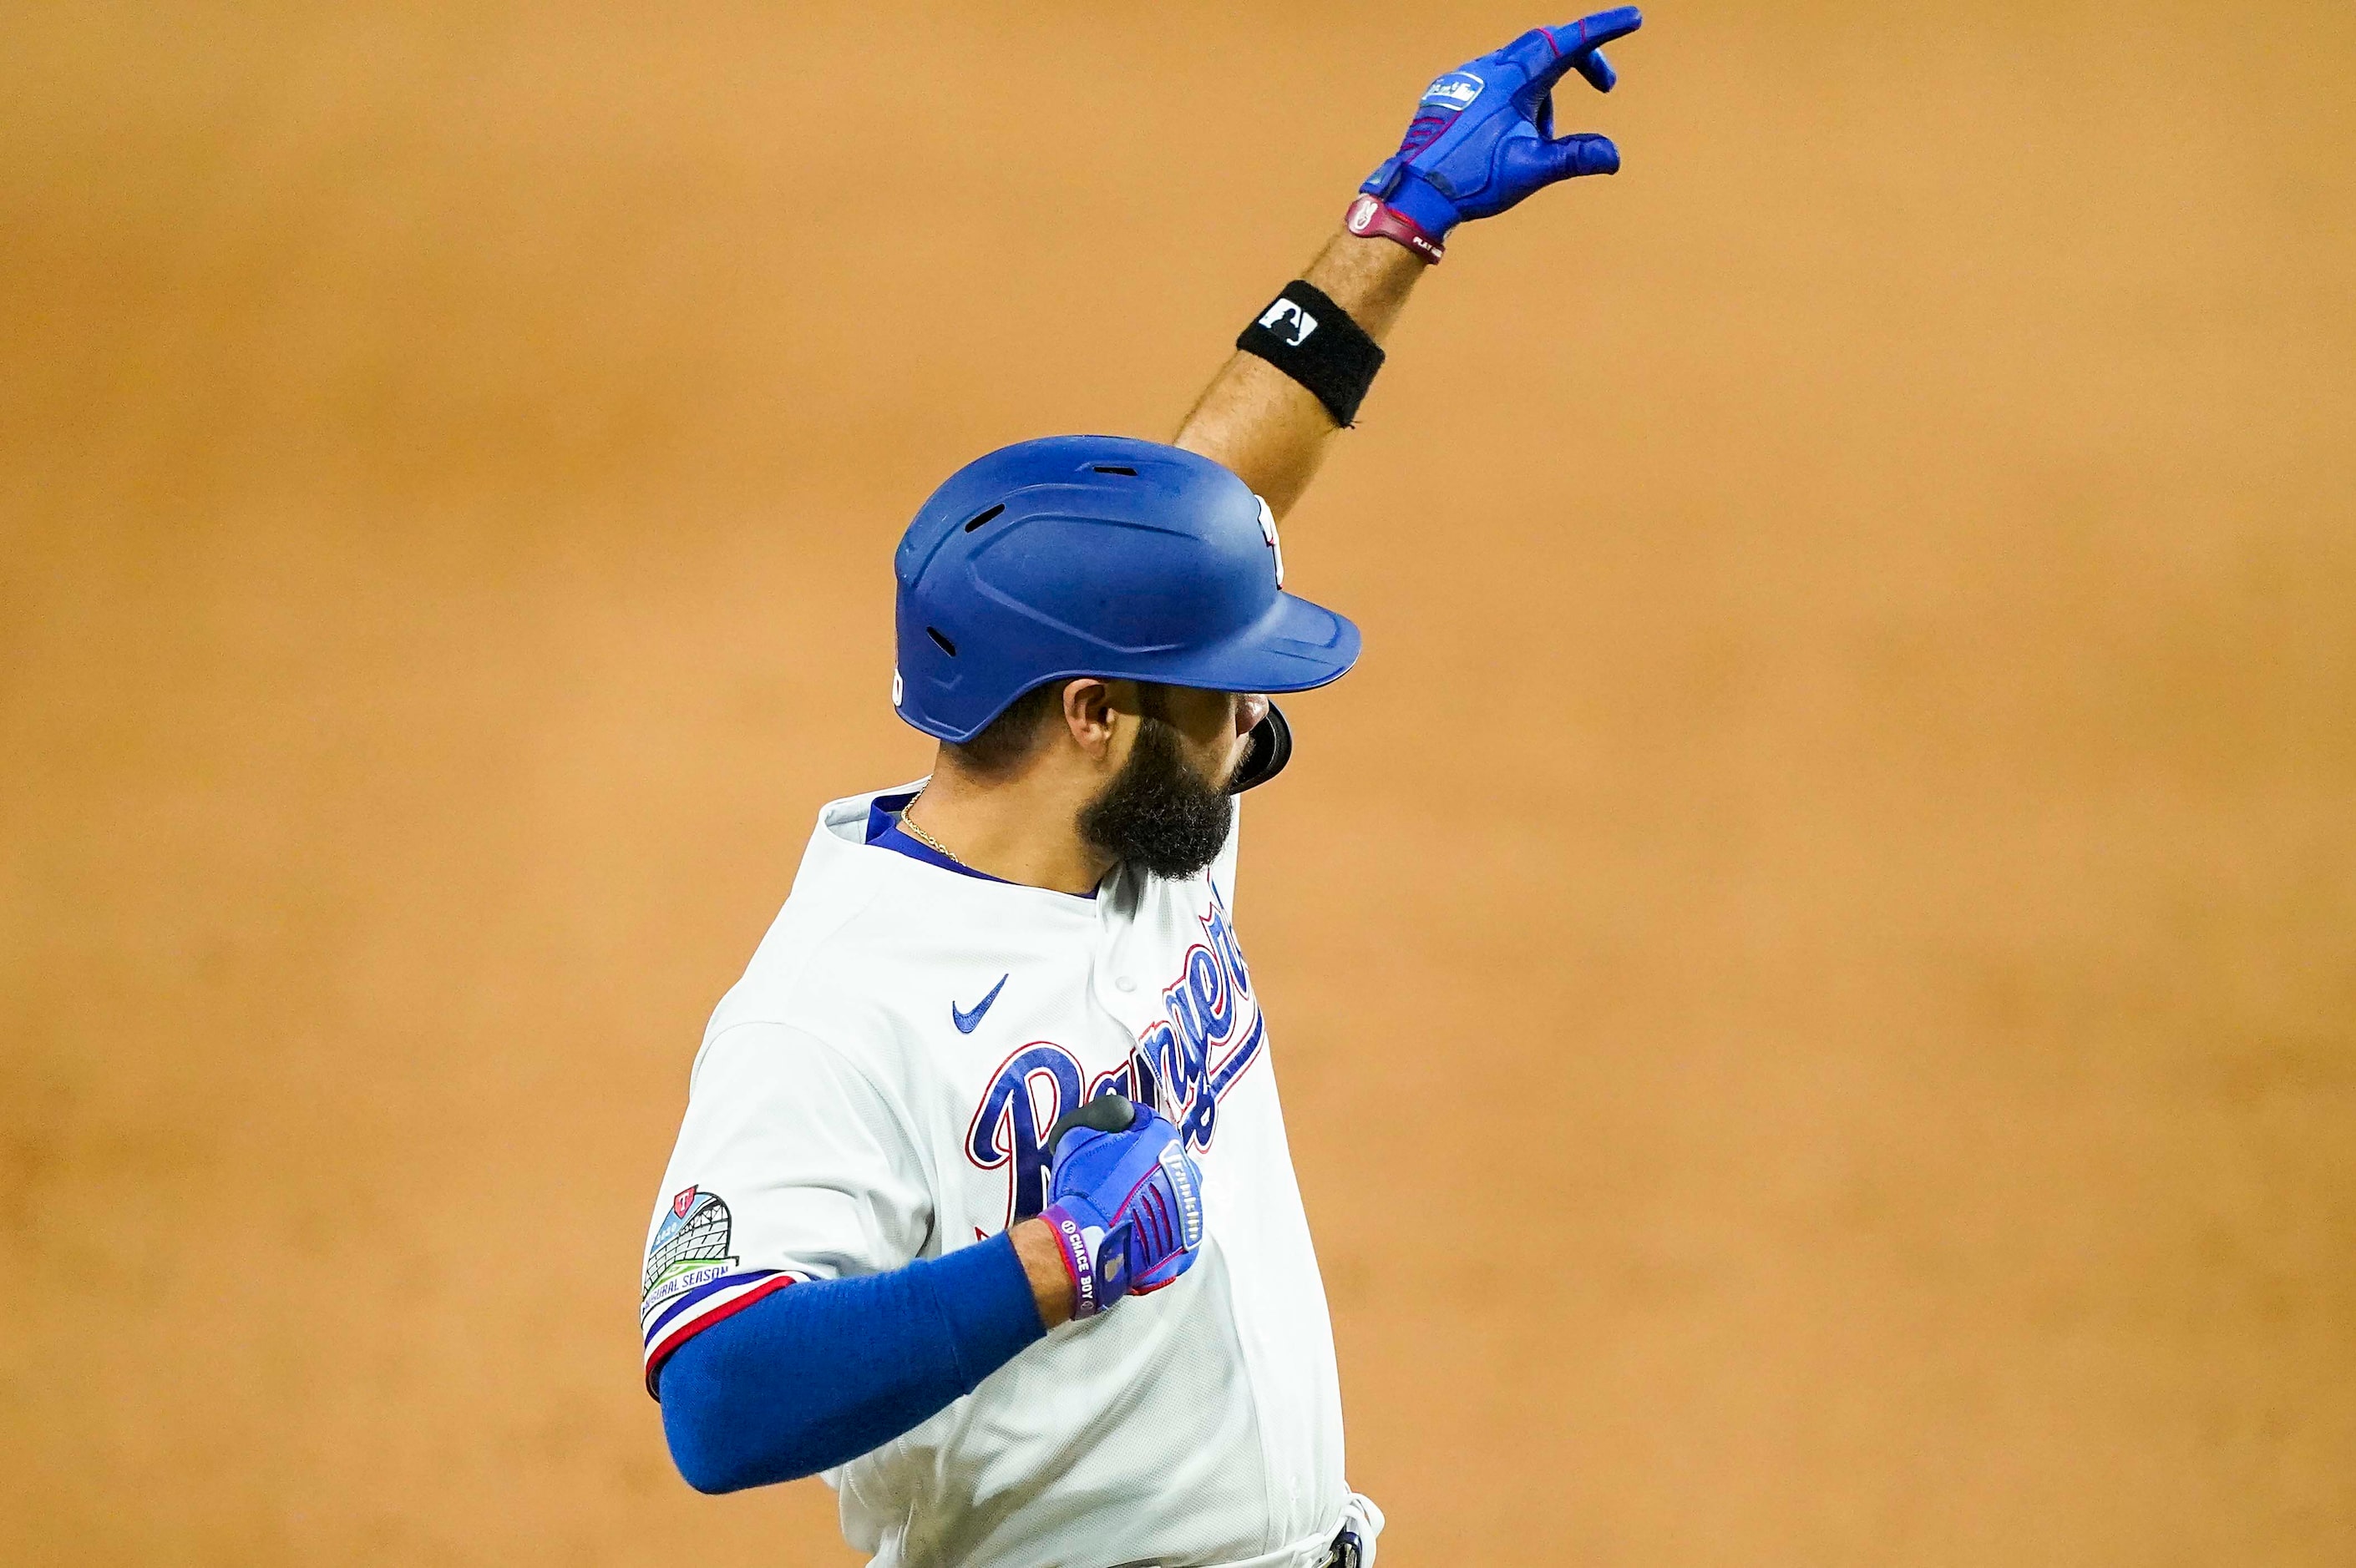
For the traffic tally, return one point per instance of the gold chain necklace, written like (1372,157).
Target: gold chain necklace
(908,825)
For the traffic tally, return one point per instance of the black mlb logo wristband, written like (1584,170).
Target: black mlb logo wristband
(1309,338)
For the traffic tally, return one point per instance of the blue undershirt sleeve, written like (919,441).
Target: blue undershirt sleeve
(823,1370)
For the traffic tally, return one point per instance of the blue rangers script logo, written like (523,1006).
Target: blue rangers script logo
(1210,1032)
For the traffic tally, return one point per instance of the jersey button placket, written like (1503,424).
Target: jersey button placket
(1117,988)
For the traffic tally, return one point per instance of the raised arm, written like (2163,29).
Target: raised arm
(1481,139)
(1266,426)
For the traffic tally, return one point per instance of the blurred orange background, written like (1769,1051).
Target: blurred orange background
(1814,964)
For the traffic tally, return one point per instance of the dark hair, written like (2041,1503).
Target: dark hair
(1008,738)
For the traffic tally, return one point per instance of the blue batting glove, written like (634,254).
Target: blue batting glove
(1483,138)
(1125,1202)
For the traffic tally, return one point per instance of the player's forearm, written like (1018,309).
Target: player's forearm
(1268,427)
(822,1371)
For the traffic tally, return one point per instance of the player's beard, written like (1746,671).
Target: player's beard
(1158,813)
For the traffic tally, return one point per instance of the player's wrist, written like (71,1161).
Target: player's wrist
(1421,203)
(1094,1257)
(1369,278)
(1413,216)
(1049,1271)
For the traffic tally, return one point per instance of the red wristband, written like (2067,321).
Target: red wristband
(1370,218)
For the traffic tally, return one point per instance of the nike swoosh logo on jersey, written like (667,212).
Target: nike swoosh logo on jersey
(968,1023)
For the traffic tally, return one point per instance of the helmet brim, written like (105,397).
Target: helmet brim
(1296,646)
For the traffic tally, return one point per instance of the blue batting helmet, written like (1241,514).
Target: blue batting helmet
(1096,555)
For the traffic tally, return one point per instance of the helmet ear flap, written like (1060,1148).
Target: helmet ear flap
(1270,748)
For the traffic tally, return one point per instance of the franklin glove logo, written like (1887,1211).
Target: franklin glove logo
(1190,1202)
(1457,89)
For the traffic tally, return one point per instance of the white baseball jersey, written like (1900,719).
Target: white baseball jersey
(878,1088)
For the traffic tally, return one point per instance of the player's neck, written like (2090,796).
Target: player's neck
(1022,829)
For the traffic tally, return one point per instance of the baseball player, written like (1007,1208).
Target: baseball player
(982,1205)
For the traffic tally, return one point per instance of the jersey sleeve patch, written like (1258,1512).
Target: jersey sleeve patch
(691,1279)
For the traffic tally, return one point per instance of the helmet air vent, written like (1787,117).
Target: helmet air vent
(946,645)
(1114,468)
(976,523)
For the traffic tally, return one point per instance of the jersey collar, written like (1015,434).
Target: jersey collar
(884,832)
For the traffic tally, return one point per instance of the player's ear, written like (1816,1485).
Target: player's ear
(1089,706)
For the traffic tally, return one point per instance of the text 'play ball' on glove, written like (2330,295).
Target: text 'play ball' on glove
(1124,1201)
(1482,137)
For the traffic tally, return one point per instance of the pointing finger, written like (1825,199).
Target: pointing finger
(1594,32)
(1575,42)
